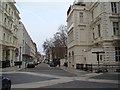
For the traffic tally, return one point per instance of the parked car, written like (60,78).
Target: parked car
(52,64)
(5,63)
(36,63)
(5,83)
(30,65)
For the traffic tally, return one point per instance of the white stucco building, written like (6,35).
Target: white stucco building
(15,42)
(9,19)
(94,27)
(28,47)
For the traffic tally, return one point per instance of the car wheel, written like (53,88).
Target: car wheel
(9,86)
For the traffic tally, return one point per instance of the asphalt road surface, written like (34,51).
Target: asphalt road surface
(43,76)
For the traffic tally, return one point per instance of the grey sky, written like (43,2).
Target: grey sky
(42,19)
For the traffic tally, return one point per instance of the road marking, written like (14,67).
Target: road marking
(35,74)
(42,84)
(59,81)
(104,81)
(41,74)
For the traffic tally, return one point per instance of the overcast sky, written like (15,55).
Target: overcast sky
(42,19)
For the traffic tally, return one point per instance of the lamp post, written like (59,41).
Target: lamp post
(20,57)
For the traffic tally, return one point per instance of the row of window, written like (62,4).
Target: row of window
(71,54)
(8,38)
(117,54)
(8,23)
(116,30)
(8,9)
(114,8)
(11,12)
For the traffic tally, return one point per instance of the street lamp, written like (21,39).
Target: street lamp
(20,56)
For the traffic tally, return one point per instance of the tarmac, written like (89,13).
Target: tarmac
(78,73)
(81,75)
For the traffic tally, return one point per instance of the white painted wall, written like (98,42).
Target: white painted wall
(83,32)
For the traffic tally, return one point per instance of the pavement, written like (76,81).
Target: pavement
(11,69)
(75,71)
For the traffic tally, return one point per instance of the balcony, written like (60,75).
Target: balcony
(6,43)
(116,37)
(116,40)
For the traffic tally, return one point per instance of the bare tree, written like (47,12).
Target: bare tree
(57,44)
(61,36)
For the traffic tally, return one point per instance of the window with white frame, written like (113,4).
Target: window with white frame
(6,6)
(4,37)
(93,34)
(10,39)
(5,21)
(116,28)
(99,34)
(11,26)
(117,54)
(8,23)
(81,16)
(9,10)
(12,13)
(114,7)
(70,36)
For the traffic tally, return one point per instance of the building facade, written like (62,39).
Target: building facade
(26,45)
(94,27)
(9,19)
(15,42)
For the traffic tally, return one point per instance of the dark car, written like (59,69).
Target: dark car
(36,63)
(6,83)
(30,65)
(52,64)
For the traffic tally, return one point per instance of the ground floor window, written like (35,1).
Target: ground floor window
(117,54)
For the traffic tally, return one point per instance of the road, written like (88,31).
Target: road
(43,76)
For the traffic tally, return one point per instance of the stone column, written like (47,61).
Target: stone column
(4,55)
(11,57)
(1,52)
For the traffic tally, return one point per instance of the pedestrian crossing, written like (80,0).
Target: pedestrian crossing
(58,80)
